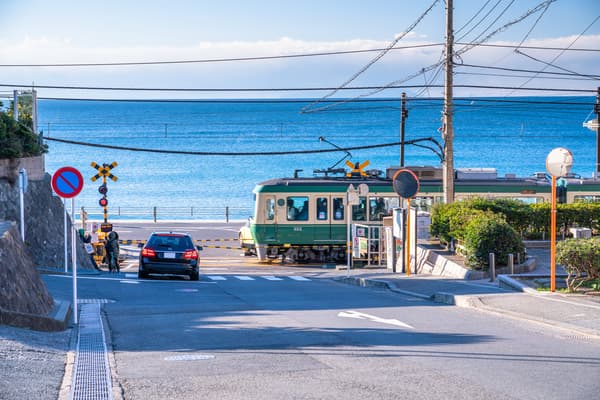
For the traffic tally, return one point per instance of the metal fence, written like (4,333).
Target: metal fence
(157,213)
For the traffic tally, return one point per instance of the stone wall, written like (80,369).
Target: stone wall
(21,288)
(44,226)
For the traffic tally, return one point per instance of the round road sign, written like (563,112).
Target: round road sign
(67,182)
(406,183)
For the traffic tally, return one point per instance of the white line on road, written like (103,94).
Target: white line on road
(131,276)
(271,278)
(298,278)
(359,315)
(244,278)
(216,278)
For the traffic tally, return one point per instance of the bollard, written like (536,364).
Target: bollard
(227,214)
(492,258)
(154,213)
(511,263)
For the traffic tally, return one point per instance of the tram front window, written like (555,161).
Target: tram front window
(297,208)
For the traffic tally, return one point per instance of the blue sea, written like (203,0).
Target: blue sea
(513,135)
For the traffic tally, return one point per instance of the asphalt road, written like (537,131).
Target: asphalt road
(256,333)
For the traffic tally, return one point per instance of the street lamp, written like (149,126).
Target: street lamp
(558,163)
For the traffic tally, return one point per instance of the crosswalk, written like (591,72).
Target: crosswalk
(258,277)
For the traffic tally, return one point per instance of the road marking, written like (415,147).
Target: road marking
(271,278)
(244,278)
(359,315)
(131,276)
(131,282)
(216,278)
(298,278)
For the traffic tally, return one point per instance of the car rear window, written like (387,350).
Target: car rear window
(170,242)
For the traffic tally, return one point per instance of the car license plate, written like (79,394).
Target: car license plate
(169,255)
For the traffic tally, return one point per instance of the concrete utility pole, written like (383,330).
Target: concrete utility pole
(448,133)
(16,105)
(403,116)
(34,111)
(597,111)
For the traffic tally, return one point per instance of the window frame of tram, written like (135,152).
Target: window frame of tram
(322,208)
(338,208)
(270,209)
(360,209)
(380,206)
(301,205)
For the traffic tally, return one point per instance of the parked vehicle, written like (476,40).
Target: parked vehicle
(171,253)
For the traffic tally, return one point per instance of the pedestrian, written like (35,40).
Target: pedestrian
(112,252)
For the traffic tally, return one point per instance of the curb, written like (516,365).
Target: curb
(365,282)
(475,302)
(56,320)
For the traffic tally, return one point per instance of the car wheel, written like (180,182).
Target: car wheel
(142,275)
(194,276)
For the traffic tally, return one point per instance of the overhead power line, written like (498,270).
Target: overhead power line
(245,153)
(283,56)
(377,88)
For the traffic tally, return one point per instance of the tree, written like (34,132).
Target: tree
(17,140)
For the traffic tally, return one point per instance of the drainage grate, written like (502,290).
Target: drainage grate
(91,376)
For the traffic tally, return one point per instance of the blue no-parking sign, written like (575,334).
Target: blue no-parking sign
(67,182)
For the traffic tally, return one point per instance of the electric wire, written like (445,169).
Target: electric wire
(246,153)
(560,53)
(374,60)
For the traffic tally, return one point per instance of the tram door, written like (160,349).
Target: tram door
(270,223)
(335,220)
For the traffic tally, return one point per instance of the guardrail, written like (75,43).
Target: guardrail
(157,213)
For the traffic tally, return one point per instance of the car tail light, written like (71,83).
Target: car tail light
(190,255)
(148,252)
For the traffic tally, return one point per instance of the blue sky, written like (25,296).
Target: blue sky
(60,31)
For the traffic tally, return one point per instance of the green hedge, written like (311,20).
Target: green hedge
(531,221)
(17,140)
(491,234)
(581,259)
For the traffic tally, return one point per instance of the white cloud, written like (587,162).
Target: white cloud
(288,72)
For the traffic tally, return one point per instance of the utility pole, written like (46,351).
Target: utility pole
(16,105)
(597,111)
(448,132)
(403,116)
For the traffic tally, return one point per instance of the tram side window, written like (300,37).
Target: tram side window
(359,211)
(270,209)
(338,208)
(377,208)
(297,208)
(322,208)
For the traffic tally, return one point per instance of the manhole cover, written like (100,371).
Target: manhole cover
(190,357)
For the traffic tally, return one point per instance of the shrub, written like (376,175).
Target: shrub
(17,140)
(490,234)
(581,259)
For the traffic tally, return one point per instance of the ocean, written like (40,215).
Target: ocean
(513,135)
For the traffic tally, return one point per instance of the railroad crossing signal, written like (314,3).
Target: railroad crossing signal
(104,172)
(357,169)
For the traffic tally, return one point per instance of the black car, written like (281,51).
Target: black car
(170,253)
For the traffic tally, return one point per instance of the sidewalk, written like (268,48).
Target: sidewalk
(578,315)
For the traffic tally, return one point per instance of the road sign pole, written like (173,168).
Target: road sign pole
(407,243)
(74,259)
(66,236)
